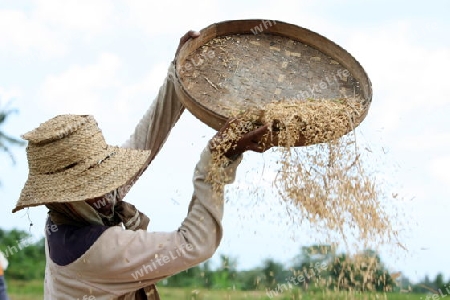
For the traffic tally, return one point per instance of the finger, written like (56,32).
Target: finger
(258,133)
(230,123)
(188,35)
(193,33)
(184,38)
(255,147)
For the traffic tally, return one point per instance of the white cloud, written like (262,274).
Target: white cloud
(175,17)
(171,16)
(7,95)
(101,90)
(79,89)
(406,77)
(143,91)
(425,142)
(47,30)
(24,35)
(93,17)
(440,167)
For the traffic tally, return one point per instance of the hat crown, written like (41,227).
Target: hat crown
(57,128)
(64,142)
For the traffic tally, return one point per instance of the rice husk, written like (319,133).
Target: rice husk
(325,184)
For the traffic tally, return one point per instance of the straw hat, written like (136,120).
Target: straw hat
(69,161)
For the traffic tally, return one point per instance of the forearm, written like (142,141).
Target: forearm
(202,227)
(153,129)
(206,207)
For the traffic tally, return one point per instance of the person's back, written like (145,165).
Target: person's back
(3,266)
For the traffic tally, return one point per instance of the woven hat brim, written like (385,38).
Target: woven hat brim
(84,182)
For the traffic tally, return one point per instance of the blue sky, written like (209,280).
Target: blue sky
(108,58)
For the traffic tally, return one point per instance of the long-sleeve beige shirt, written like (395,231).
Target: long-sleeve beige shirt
(120,262)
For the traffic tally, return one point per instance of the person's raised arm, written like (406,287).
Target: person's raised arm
(153,129)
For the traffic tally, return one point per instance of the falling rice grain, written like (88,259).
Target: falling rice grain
(326,182)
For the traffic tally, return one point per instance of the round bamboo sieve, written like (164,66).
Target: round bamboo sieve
(243,65)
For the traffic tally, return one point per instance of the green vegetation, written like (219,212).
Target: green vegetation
(26,257)
(33,290)
(22,289)
(316,273)
(203,294)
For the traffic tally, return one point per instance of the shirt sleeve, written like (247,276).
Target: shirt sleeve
(126,260)
(153,129)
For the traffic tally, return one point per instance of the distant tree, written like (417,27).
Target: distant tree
(273,273)
(425,286)
(6,141)
(362,272)
(439,282)
(251,280)
(189,277)
(225,276)
(310,255)
(309,264)
(207,274)
(404,284)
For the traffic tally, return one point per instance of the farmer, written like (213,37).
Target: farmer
(97,245)
(3,267)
